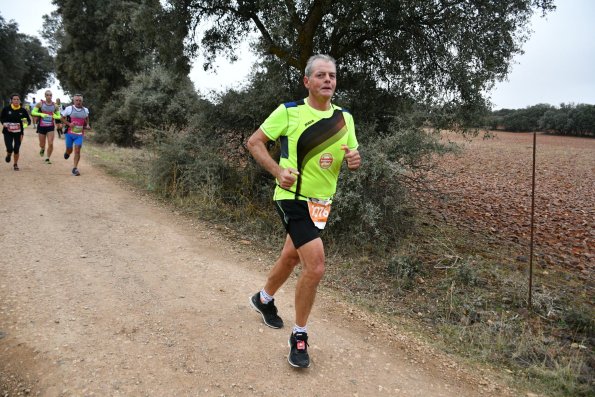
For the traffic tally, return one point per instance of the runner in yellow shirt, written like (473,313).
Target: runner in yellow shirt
(316,136)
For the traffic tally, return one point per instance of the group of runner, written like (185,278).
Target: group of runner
(48,118)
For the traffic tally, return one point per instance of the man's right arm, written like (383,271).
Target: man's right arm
(64,115)
(257,147)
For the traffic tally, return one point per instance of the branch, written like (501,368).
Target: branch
(272,47)
(295,19)
(305,39)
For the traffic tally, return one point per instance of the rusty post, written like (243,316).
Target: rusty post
(530,305)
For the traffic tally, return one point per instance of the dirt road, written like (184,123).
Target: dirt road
(103,292)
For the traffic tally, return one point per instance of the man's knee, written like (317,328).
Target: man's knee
(314,271)
(290,259)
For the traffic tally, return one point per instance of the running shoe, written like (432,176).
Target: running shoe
(15,167)
(7,158)
(47,161)
(66,156)
(41,152)
(75,172)
(268,311)
(298,350)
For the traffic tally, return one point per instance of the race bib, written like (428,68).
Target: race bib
(14,127)
(46,121)
(78,126)
(319,211)
(77,129)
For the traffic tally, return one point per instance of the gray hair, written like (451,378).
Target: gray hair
(313,58)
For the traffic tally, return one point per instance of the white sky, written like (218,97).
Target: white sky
(558,64)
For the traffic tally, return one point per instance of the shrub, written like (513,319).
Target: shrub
(144,110)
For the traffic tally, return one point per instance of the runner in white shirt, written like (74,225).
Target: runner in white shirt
(76,118)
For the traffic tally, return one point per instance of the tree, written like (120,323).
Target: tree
(153,102)
(25,65)
(38,65)
(102,45)
(10,58)
(570,119)
(440,51)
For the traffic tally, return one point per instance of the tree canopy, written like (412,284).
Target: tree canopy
(444,50)
(568,119)
(25,65)
(101,45)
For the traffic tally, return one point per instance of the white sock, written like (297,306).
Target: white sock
(297,328)
(264,297)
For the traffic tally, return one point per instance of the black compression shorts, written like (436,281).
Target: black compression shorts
(296,219)
(44,130)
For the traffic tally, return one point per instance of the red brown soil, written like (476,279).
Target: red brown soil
(489,189)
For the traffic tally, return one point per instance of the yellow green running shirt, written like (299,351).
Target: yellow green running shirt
(310,143)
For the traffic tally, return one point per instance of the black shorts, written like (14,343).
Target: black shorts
(296,219)
(44,130)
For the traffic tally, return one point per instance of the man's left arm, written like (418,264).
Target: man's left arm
(352,157)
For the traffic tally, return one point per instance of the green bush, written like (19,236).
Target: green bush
(144,111)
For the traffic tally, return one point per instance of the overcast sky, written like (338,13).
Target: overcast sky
(558,64)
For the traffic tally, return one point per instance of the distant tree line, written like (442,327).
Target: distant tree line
(25,65)
(568,119)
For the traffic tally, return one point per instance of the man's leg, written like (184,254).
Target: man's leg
(282,269)
(77,155)
(263,301)
(69,143)
(311,256)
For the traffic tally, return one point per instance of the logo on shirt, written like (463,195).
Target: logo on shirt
(308,123)
(326,160)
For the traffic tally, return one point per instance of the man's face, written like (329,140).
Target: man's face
(78,101)
(48,96)
(323,79)
(15,100)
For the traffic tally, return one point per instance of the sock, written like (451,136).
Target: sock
(298,329)
(264,297)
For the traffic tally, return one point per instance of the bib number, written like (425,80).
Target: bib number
(14,127)
(319,212)
(77,129)
(78,125)
(46,121)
